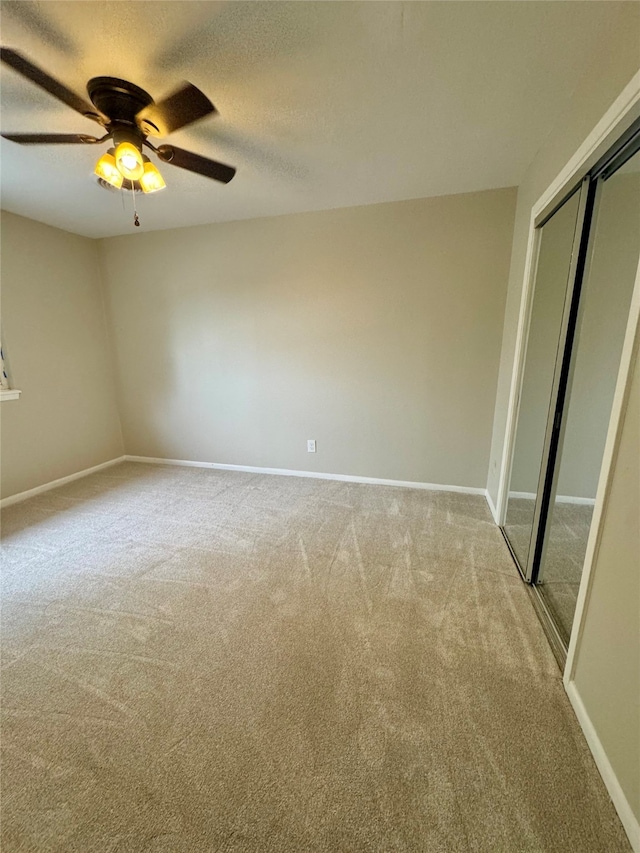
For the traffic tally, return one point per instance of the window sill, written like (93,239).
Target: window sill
(10,394)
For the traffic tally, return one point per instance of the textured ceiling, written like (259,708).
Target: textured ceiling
(321,104)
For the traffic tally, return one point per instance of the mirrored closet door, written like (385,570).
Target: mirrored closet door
(604,309)
(557,245)
(588,258)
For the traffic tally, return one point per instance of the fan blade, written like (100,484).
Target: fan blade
(195,163)
(36,75)
(184,106)
(51,138)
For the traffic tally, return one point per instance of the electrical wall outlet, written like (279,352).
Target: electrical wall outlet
(311,445)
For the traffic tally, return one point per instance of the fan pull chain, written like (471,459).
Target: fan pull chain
(136,221)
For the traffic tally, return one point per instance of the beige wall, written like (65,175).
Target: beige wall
(607,673)
(374,330)
(55,338)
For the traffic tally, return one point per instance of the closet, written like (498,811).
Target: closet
(587,254)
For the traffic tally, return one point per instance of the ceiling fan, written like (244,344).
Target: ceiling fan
(129,115)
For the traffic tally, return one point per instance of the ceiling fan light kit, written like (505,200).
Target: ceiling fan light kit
(129,161)
(107,170)
(129,115)
(151,180)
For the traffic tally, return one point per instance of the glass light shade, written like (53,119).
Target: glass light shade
(151,181)
(129,161)
(107,170)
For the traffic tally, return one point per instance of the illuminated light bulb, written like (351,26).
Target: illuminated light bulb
(151,181)
(129,161)
(107,170)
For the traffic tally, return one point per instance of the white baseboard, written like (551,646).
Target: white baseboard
(622,805)
(285,472)
(492,507)
(30,493)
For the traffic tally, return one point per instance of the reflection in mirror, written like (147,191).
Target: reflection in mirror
(552,276)
(605,302)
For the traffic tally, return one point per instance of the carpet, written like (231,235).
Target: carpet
(212,661)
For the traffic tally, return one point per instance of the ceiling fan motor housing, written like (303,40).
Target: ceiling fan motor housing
(118,99)
(127,134)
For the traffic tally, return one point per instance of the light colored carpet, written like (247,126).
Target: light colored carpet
(211,661)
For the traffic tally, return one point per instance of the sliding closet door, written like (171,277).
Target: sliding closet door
(558,248)
(604,309)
